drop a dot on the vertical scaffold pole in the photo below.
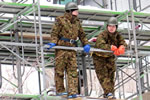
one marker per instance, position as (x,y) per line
(41,48)
(136,53)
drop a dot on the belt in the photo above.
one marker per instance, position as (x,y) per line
(69,40)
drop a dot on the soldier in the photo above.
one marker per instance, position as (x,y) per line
(66,30)
(104,62)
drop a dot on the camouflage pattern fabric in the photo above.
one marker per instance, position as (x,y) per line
(67,26)
(105,69)
(67,61)
(105,40)
(105,62)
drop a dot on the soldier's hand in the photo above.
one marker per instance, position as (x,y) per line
(51,45)
(87,48)
(113,48)
(121,49)
(116,52)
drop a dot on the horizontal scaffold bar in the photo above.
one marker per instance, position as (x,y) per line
(56,47)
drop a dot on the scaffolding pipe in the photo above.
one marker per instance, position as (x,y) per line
(122,85)
(19,44)
(85,82)
(18,64)
(116,5)
(15,21)
(130,76)
(19,77)
(22,51)
(42,51)
(67,48)
(117,77)
(90,75)
(10,82)
(35,30)
(140,5)
(111,4)
(86,10)
(0,76)
(105,3)
(147,76)
(17,55)
(78,48)
(136,55)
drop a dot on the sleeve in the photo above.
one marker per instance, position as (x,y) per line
(82,35)
(121,40)
(55,31)
(102,43)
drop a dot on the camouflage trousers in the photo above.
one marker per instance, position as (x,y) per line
(105,69)
(66,61)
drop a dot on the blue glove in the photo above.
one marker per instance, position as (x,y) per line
(87,48)
(51,45)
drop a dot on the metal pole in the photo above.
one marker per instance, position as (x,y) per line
(129,33)
(136,53)
(140,4)
(79,68)
(145,8)
(22,49)
(41,47)
(105,4)
(117,77)
(84,75)
(78,2)
(130,41)
(15,20)
(141,72)
(19,44)
(134,5)
(18,64)
(90,75)
(129,4)
(56,47)
(0,76)
(116,5)
(111,4)
(39,78)
(122,84)
(147,76)
(78,48)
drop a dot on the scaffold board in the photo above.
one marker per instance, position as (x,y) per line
(88,98)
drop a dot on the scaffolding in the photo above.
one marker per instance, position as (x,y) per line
(24,33)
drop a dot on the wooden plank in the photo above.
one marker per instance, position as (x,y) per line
(89,98)
(92,98)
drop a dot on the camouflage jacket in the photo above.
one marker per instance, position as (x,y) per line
(105,40)
(67,26)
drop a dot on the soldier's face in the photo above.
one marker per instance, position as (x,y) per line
(75,13)
(111,28)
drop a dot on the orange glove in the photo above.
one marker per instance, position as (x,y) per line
(113,48)
(116,52)
(121,49)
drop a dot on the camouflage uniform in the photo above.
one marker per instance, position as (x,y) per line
(67,26)
(105,62)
